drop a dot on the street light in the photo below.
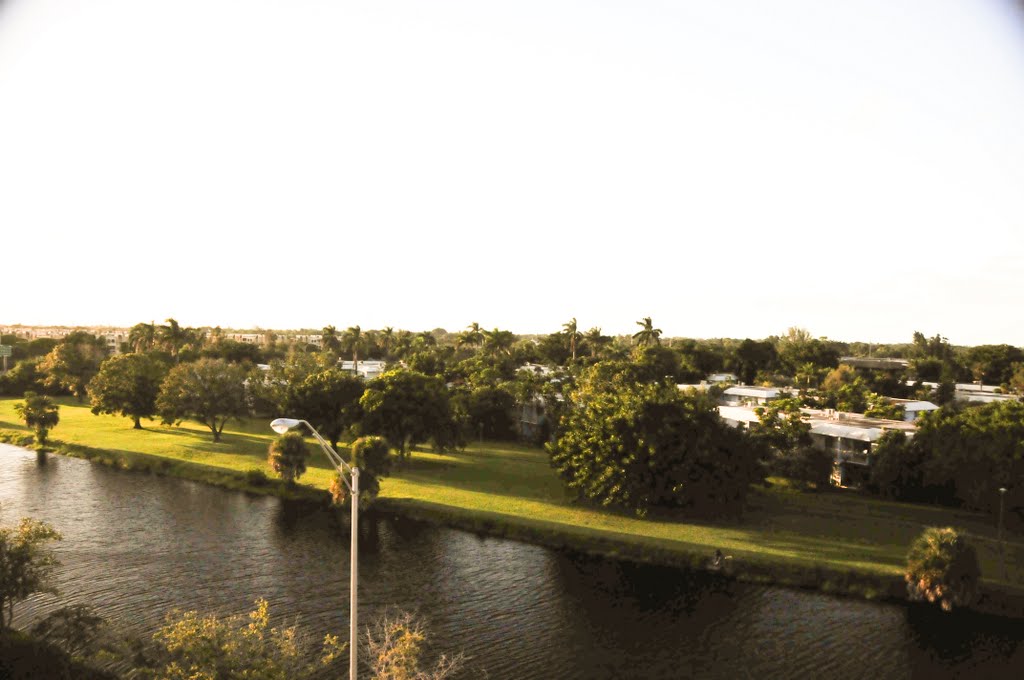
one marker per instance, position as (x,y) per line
(282,425)
(1002,548)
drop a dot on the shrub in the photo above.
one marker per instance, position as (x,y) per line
(288,455)
(942,566)
(256,477)
(373,458)
(40,413)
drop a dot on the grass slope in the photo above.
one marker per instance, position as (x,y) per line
(510,485)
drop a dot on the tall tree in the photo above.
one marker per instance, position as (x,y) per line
(127,385)
(173,337)
(353,342)
(74,362)
(646,445)
(573,334)
(648,334)
(472,336)
(329,340)
(210,391)
(406,407)
(142,337)
(329,399)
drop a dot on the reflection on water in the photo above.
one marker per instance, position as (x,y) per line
(137,546)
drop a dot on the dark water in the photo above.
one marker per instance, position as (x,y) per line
(136,546)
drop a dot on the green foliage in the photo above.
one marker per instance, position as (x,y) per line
(373,458)
(27,564)
(40,413)
(24,377)
(641,446)
(127,385)
(406,407)
(73,362)
(191,646)
(782,425)
(329,400)
(845,390)
(880,407)
(897,467)
(942,566)
(648,334)
(973,451)
(287,457)
(753,357)
(782,428)
(210,391)
(490,412)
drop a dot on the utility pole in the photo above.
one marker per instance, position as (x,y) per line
(1002,546)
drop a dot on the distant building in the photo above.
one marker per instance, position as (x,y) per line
(747,395)
(722,378)
(367,370)
(878,364)
(913,409)
(849,437)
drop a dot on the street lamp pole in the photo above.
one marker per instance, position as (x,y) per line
(1002,548)
(282,425)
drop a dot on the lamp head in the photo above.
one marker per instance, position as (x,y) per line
(1002,489)
(282,425)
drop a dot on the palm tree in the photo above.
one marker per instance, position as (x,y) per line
(174,337)
(596,341)
(473,336)
(387,339)
(572,331)
(142,337)
(499,342)
(648,334)
(329,339)
(352,341)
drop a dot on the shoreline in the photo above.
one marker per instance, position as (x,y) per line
(994,601)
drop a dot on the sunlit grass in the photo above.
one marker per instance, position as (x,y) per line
(515,485)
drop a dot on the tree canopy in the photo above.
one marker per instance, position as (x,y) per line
(643,445)
(127,385)
(406,407)
(210,391)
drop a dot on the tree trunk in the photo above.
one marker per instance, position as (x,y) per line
(138,424)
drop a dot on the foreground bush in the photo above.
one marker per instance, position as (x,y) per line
(942,567)
(191,646)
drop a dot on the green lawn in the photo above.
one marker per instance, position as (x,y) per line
(515,485)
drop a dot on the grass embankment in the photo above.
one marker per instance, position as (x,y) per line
(839,541)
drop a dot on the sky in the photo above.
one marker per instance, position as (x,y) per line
(729,169)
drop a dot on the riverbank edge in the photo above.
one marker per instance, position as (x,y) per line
(992,600)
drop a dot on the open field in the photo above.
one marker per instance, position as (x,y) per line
(505,485)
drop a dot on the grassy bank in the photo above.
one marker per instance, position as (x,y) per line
(841,541)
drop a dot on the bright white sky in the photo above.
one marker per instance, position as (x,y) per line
(728,168)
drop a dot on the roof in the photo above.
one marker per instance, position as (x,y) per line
(871,362)
(739,414)
(751,391)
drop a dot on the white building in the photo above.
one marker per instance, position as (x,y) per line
(367,370)
(747,395)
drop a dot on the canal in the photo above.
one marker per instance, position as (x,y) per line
(136,546)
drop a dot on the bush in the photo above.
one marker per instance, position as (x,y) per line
(288,455)
(373,458)
(256,477)
(942,566)
(805,465)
